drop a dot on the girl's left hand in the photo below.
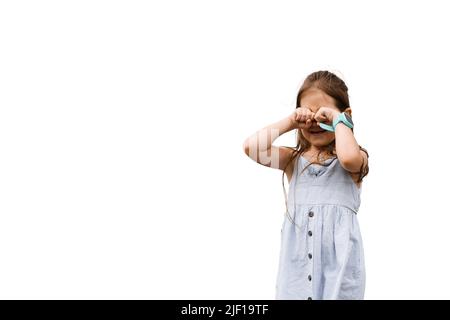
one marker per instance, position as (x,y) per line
(326,115)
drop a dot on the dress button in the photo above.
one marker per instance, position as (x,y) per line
(309,298)
(310,233)
(310,255)
(309,277)
(311,214)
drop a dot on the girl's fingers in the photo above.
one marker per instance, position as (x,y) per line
(308,123)
(303,116)
(318,117)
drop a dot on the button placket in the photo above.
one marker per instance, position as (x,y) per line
(310,247)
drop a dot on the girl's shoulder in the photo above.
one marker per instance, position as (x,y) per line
(292,164)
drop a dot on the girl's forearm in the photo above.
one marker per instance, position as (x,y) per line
(347,148)
(262,139)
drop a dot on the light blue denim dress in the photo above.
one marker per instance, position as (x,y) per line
(322,256)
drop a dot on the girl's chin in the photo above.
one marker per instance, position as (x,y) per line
(317,136)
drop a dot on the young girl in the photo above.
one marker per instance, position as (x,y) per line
(321,254)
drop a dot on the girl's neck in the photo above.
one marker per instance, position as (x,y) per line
(313,152)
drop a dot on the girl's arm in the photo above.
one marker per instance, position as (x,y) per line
(348,152)
(259,145)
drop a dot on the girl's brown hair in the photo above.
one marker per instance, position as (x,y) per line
(336,88)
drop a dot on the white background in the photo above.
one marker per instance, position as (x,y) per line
(122,174)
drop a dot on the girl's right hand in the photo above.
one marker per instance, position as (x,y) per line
(302,118)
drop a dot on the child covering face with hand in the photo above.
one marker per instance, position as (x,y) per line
(321,254)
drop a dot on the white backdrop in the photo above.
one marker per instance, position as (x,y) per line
(122,174)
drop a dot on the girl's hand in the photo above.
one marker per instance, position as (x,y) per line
(302,118)
(326,114)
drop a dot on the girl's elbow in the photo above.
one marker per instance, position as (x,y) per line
(245,147)
(352,163)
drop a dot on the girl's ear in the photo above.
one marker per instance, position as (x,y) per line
(349,111)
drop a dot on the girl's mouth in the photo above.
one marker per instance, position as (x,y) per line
(316,133)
